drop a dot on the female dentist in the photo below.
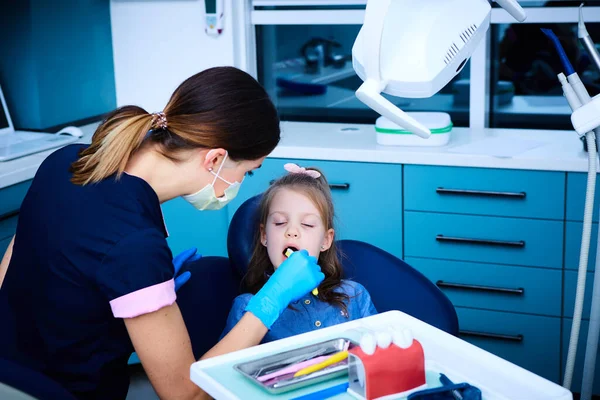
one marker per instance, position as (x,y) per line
(89,276)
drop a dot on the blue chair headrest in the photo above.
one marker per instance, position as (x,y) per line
(240,237)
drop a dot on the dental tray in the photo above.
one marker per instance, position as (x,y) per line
(255,369)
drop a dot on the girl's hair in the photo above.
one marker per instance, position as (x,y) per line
(260,266)
(220,107)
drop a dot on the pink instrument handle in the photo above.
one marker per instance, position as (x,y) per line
(292,368)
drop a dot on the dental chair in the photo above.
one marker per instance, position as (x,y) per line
(393,284)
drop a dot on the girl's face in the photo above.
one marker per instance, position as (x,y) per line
(294,221)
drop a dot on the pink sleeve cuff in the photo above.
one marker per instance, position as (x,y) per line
(144,301)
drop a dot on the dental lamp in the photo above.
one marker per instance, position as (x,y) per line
(413,48)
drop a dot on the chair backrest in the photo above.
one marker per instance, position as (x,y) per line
(240,237)
(393,284)
(205,300)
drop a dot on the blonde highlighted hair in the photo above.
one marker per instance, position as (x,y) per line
(221,107)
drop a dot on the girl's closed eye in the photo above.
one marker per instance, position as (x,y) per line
(307,225)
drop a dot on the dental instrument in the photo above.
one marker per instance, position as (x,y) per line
(334,359)
(413,48)
(288,252)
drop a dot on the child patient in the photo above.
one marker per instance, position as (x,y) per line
(297,212)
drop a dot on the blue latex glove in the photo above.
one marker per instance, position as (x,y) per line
(294,278)
(182,258)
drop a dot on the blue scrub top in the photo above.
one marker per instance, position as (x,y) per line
(84,258)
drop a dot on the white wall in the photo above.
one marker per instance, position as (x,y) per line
(159,43)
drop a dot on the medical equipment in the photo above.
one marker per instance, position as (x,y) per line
(586,120)
(438,123)
(288,252)
(413,48)
(214,17)
(254,370)
(334,359)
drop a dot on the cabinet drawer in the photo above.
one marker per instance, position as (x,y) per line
(570,290)
(573,232)
(510,193)
(8,227)
(576,185)
(532,342)
(363,212)
(495,287)
(581,344)
(536,243)
(11,197)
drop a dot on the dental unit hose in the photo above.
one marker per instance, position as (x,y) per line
(575,103)
(594,327)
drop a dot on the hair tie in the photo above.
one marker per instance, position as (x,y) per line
(159,120)
(296,169)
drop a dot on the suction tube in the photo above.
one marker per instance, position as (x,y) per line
(575,103)
(561,52)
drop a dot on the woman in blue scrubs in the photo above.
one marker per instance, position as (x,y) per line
(89,276)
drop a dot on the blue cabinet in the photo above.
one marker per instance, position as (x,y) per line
(367,198)
(581,344)
(576,186)
(530,341)
(188,227)
(493,241)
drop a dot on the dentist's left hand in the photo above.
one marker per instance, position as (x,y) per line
(182,258)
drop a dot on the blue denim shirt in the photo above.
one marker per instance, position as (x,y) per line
(309,313)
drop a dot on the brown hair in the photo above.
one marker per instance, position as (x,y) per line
(221,107)
(317,190)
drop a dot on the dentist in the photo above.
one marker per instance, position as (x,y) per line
(89,276)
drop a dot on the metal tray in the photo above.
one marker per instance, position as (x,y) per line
(262,366)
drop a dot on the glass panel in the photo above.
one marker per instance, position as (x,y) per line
(307,70)
(526,91)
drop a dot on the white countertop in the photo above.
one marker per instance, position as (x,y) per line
(557,150)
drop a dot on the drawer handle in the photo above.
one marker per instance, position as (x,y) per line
(9,215)
(442,284)
(332,186)
(466,192)
(508,243)
(498,336)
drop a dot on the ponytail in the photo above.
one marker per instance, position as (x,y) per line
(113,143)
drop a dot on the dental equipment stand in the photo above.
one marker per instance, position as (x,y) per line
(586,120)
(411,60)
(590,115)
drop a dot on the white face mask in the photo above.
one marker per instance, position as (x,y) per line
(206,198)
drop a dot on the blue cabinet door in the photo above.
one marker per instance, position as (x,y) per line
(482,191)
(367,198)
(532,342)
(576,186)
(581,344)
(495,287)
(573,233)
(188,227)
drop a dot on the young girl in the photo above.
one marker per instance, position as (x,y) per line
(297,212)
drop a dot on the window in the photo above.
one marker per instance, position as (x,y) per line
(307,70)
(303,57)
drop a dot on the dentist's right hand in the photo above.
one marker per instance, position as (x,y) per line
(294,278)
